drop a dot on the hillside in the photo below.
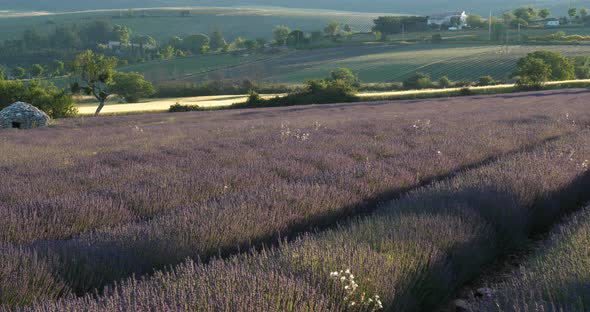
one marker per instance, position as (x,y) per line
(164,23)
(414,7)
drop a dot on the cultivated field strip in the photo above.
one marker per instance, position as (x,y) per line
(385,63)
(555,278)
(413,253)
(144,192)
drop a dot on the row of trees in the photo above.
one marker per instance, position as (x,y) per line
(35,71)
(283,35)
(388,25)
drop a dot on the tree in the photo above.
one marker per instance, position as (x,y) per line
(544,13)
(583,13)
(582,64)
(418,81)
(65,38)
(18,72)
(280,35)
(36,71)
(444,82)
(143,41)
(346,75)
(572,13)
(2,73)
(167,52)
(131,86)
(532,72)
(389,25)
(195,43)
(499,32)
(515,23)
(561,68)
(476,21)
(96,32)
(507,17)
(296,38)
(332,29)
(238,44)
(217,41)
(94,74)
(251,45)
(57,67)
(524,13)
(122,34)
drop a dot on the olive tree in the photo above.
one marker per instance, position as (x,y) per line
(93,74)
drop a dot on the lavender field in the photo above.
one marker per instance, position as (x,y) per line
(554,278)
(280,209)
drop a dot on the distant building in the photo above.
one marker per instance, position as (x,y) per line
(447,18)
(552,23)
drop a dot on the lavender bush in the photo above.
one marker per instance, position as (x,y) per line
(555,278)
(142,193)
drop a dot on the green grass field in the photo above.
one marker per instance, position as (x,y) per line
(372,62)
(164,23)
(184,68)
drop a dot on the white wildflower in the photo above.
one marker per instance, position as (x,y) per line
(352,296)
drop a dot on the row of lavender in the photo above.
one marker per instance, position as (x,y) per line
(555,278)
(91,203)
(411,255)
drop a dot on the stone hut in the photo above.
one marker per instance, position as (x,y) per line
(21,115)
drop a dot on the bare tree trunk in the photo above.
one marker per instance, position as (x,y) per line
(100,106)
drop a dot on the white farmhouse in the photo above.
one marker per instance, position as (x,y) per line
(446,18)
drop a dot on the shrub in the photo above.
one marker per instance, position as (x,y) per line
(486,81)
(319,91)
(56,103)
(557,66)
(532,73)
(179,108)
(445,82)
(132,86)
(345,75)
(582,67)
(418,81)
